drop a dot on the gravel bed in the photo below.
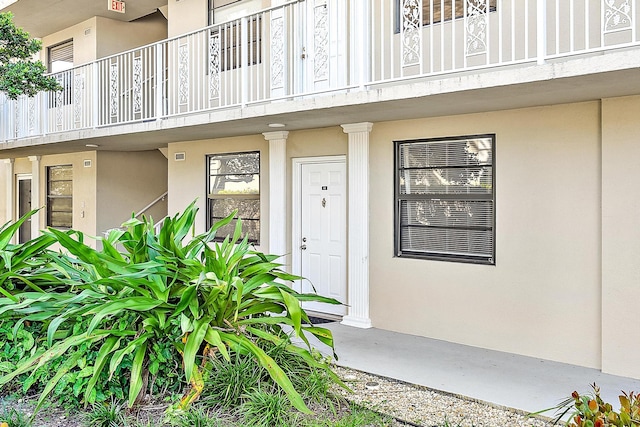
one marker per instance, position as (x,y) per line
(426,408)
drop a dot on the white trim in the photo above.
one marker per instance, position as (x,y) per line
(296,205)
(35,195)
(10,188)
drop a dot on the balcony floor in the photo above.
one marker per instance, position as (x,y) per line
(502,379)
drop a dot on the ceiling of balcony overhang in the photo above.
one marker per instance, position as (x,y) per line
(43,17)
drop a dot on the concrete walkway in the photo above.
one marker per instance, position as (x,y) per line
(503,379)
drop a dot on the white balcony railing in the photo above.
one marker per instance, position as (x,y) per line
(308,47)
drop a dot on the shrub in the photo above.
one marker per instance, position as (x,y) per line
(591,411)
(263,408)
(106,415)
(13,418)
(195,417)
(154,305)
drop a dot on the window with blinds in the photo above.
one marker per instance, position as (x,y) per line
(444,193)
(60,58)
(234,185)
(60,196)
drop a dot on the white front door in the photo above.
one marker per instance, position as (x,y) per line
(322,236)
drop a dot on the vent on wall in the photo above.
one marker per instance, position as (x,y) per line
(87,163)
(179,156)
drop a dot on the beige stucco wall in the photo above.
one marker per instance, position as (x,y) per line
(116,36)
(84,189)
(186,16)
(99,37)
(84,41)
(187,178)
(620,236)
(542,298)
(126,183)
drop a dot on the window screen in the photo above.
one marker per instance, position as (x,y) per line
(234,184)
(444,193)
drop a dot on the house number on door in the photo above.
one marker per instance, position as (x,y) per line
(324,202)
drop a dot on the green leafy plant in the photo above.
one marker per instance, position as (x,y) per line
(156,303)
(13,418)
(195,417)
(266,408)
(227,381)
(106,415)
(18,73)
(589,410)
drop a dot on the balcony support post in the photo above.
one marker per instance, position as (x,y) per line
(159,81)
(360,36)
(244,60)
(95,94)
(541,26)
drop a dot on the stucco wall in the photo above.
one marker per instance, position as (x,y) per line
(84,41)
(187,178)
(126,183)
(620,236)
(117,36)
(186,16)
(542,298)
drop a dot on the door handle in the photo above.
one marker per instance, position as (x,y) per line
(303,247)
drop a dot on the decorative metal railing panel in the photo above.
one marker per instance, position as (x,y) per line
(306,48)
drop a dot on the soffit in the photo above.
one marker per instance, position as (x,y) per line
(44,17)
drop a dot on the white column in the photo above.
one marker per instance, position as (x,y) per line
(35,195)
(277,191)
(358,256)
(9,190)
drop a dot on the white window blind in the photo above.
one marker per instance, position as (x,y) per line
(445,199)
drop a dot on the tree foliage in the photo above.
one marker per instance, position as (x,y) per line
(19,73)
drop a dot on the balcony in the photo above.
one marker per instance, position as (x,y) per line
(307,49)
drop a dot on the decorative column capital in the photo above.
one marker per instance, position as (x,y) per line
(357,127)
(8,161)
(35,158)
(270,136)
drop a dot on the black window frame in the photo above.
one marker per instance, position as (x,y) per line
(50,196)
(399,198)
(210,197)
